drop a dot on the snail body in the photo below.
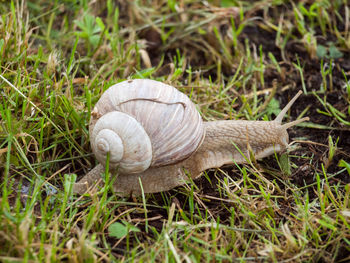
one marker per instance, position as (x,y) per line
(153,132)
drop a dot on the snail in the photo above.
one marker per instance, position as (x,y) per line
(155,137)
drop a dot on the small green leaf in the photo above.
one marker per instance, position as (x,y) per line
(120,230)
(100,23)
(117,230)
(342,163)
(133,228)
(94,40)
(273,107)
(321,51)
(334,52)
(90,28)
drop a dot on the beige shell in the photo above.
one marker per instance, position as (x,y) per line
(144,123)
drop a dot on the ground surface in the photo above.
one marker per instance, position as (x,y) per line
(229,56)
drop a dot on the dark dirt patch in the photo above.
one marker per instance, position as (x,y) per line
(313,81)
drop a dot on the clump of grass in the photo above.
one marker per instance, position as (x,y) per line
(236,60)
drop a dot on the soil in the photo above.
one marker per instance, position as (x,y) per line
(314,152)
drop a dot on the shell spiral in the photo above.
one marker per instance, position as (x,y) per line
(143,123)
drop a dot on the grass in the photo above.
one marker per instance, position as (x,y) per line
(231,58)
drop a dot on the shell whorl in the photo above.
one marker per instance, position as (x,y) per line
(125,139)
(166,119)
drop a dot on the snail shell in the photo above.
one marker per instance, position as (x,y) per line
(143,123)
